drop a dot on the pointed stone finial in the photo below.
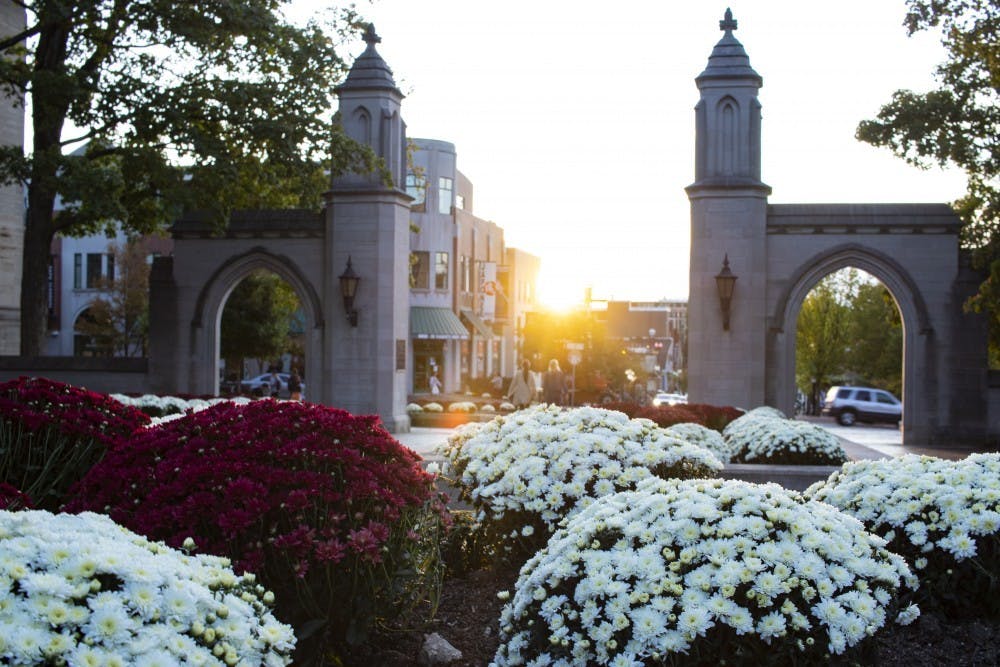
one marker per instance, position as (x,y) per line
(728,23)
(371,37)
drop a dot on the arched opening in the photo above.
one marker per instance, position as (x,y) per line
(849,333)
(261,336)
(92,333)
(917,333)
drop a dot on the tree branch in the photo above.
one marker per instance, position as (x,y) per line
(13,40)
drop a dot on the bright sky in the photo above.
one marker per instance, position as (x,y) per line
(574,119)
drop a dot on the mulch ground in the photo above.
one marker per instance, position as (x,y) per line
(469,610)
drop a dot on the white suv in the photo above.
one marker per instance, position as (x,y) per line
(853,404)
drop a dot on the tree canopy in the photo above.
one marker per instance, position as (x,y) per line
(140,108)
(849,330)
(256,319)
(958,123)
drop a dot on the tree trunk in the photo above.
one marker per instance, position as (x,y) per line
(38,234)
(48,114)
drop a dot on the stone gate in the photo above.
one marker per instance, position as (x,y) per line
(778,253)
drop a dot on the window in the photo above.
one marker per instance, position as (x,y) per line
(416,187)
(863,396)
(94,261)
(420,269)
(77,270)
(882,397)
(111,268)
(445,187)
(441,270)
(460,202)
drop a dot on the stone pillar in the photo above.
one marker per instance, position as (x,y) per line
(12,21)
(367,223)
(728,219)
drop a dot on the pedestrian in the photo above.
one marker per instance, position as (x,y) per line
(554,384)
(294,386)
(435,384)
(275,383)
(522,387)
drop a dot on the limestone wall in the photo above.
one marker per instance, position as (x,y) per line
(11,207)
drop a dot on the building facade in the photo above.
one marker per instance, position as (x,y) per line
(467,288)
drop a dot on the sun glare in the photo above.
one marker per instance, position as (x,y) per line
(557,293)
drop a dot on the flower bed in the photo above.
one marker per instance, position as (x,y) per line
(81,590)
(943,516)
(761,436)
(52,433)
(709,571)
(333,513)
(702,436)
(526,471)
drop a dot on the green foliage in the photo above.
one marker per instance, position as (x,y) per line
(849,328)
(202,104)
(876,334)
(958,123)
(256,319)
(821,338)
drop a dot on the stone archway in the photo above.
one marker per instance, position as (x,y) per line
(784,322)
(212,299)
(780,251)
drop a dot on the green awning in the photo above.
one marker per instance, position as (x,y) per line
(480,326)
(428,322)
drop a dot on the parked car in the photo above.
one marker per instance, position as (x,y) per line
(262,385)
(853,404)
(664,398)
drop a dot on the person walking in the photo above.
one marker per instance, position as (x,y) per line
(435,384)
(554,384)
(522,387)
(294,387)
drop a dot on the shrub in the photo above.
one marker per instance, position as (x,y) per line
(943,516)
(81,590)
(507,406)
(526,471)
(52,433)
(465,407)
(414,407)
(433,407)
(334,514)
(762,412)
(702,436)
(666,415)
(765,439)
(706,572)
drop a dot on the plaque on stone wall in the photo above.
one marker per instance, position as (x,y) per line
(400,354)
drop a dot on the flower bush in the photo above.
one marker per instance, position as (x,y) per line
(81,590)
(702,436)
(163,406)
(13,499)
(464,407)
(335,515)
(526,471)
(760,437)
(52,433)
(414,407)
(507,406)
(433,407)
(761,412)
(943,516)
(708,571)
